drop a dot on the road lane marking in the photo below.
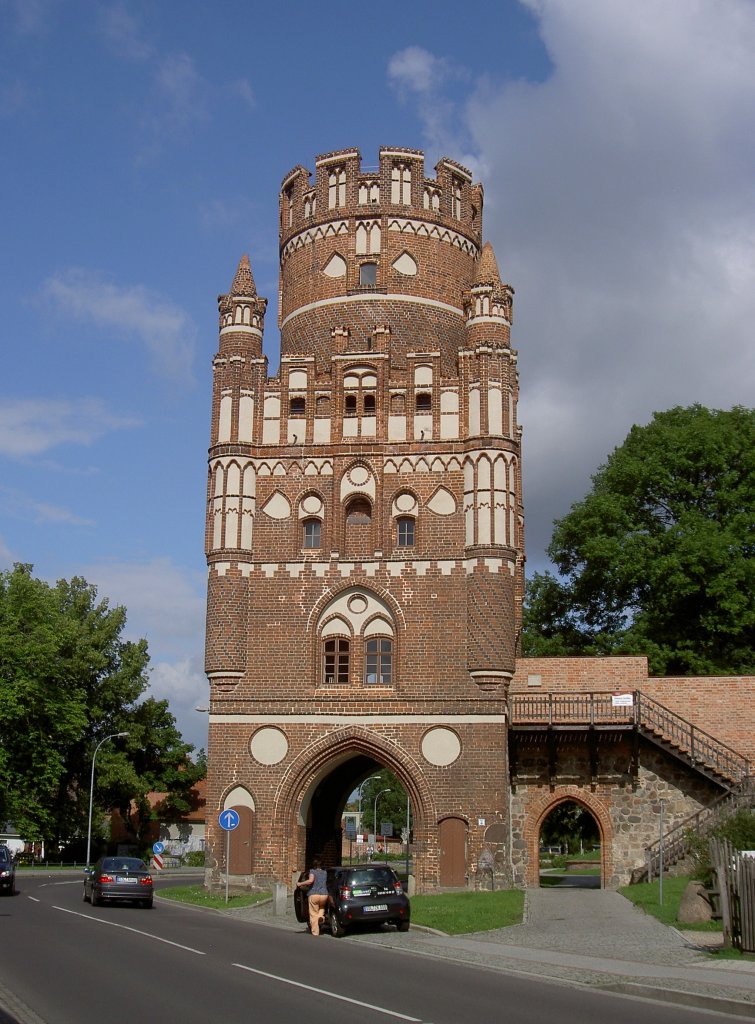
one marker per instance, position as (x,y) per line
(331,995)
(125,927)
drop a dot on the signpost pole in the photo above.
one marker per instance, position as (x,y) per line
(228,820)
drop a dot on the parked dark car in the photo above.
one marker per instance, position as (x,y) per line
(118,878)
(7,872)
(360,894)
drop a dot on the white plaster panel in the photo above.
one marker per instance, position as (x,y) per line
(423,375)
(335,267)
(224,423)
(423,423)
(239,797)
(246,417)
(322,431)
(297,429)
(271,431)
(442,503)
(449,426)
(277,506)
(441,747)
(474,411)
(297,380)
(405,264)
(397,428)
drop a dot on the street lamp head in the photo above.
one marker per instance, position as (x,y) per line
(121,734)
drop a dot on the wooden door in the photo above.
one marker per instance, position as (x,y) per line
(240,856)
(453,853)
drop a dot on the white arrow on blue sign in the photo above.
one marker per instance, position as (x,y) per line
(158,847)
(229,820)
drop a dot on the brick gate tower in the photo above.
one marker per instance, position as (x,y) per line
(364,525)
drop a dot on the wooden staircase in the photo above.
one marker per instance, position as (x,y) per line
(699,750)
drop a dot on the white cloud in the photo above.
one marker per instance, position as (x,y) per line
(30,426)
(620,198)
(162,327)
(164,603)
(184,685)
(243,89)
(123,33)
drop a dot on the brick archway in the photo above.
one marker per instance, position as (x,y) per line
(543,805)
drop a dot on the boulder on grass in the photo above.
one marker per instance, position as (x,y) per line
(694,907)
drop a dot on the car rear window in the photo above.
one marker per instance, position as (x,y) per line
(123,864)
(373,876)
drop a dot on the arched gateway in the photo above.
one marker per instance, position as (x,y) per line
(364,523)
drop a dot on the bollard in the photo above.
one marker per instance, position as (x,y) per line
(280,899)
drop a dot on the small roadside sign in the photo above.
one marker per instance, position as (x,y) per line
(158,847)
(228,819)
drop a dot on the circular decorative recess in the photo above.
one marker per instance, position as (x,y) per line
(359,475)
(268,745)
(357,604)
(406,502)
(311,504)
(441,747)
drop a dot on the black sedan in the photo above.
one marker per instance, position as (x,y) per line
(118,878)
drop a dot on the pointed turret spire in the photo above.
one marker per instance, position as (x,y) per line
(243,282)
(487,267)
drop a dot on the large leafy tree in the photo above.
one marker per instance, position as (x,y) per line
(658,558)
(68,679)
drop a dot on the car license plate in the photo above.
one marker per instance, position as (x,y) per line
(377,907)
(122,880)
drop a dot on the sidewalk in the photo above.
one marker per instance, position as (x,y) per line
(582,936)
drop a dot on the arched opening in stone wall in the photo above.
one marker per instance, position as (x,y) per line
(354,802)
(570,847)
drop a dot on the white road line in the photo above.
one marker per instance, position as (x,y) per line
(331,995)
(125,927)
(34,899)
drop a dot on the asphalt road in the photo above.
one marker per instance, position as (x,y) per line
(64,962)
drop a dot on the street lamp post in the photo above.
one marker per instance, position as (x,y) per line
(374,812)
(112,736)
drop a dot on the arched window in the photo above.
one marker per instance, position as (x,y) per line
(336,662)
(297,406)
(350,405)
(405,531)
(423,401)
(369,404)
(378,661)
(311,533)
(359,512)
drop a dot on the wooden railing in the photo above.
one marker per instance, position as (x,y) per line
(637,710)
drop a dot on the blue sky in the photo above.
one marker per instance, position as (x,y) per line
(143,146)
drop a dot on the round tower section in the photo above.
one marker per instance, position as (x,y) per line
(364,247)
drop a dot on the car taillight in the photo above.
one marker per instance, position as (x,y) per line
(106,878)
(398,887)
(146,881)
(345,892)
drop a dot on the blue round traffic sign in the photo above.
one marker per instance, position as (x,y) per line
(158,847)
(229,819)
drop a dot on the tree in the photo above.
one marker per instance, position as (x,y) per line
(68,680)
(391,806)
(658,558)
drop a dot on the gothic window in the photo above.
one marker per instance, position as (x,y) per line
(369,405)
(401,185)
(336,188)
(336,662)
(359,512)
(297,406)
(288,198)
(350,405)
(423,401)
(378,661)
(456,199)
(368,275)
(405,531)
(311,532)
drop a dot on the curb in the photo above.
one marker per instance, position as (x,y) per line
(717,1004)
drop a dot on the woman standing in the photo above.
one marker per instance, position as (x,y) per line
(316,884)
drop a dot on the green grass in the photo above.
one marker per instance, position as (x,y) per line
(198,896)
(457,913)
(647,896)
